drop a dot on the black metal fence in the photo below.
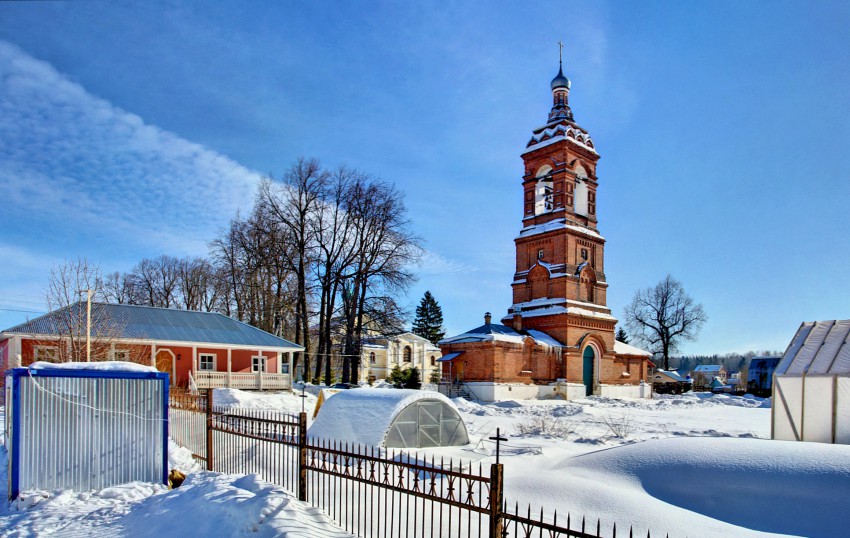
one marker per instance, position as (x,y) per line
(367,491)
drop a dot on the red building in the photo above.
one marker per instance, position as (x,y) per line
(558,336)
(213,349)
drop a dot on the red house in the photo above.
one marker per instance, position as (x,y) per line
(209,348)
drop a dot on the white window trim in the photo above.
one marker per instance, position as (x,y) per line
(255,364)
(117,352)
(201,357)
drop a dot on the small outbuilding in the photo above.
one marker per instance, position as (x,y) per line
(390,418)
(811,386)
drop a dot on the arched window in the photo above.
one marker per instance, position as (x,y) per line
(372,357)
(543,201)
(407,354)
(433,360)
(581,191)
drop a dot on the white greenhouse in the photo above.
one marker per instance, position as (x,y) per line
(811,388)
(390,418)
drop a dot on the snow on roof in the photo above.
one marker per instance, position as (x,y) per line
(708,368)
(109,366)
(672,374)
(818,347)
(552,310)
(543,339)
(363,416)
(557,224)
(625,349)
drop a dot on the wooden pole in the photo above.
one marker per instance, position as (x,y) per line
(496,500)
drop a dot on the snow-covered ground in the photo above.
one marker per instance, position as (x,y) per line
(695,465)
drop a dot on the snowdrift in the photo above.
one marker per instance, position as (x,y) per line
(768,486)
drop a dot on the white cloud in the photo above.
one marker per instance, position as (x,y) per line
(432,263)
(72,163)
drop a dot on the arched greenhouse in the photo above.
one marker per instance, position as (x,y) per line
(390,418)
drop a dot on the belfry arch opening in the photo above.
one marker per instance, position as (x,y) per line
(581,191)
(543,202)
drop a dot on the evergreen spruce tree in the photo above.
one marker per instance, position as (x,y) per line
(622,336)
(429,319)
(414,379)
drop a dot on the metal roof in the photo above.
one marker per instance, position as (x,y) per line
(819,347)
(150,323)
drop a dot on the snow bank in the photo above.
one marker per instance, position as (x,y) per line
(207,504)
(363,416)
(103,366)
(284,401)
(769,486)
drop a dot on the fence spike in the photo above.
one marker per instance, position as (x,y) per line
(568,521)
(582,523)
(598,526)
(555,520)
(615,529)
(631,531)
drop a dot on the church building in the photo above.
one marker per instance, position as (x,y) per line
(558,336)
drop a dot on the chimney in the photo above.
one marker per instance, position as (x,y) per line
(487,318)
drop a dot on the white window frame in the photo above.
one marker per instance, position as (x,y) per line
(259,363)
(372,357)
(38,350)
(211,365)
(284,367)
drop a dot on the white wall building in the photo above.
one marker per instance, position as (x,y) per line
(379,354)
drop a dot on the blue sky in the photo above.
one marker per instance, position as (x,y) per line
(129,130)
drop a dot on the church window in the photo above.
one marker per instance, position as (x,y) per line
(584,254)
(433,360)
(408,354)
(540,254)
(372,357)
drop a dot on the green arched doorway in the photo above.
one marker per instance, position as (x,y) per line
(587,370)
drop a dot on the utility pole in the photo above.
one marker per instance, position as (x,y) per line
(88,325)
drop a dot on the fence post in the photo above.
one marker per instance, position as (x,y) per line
(209,429)
(496,500)
(302,456)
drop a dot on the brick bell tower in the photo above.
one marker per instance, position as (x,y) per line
(559,286)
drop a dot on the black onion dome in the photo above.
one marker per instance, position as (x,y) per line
(560,81)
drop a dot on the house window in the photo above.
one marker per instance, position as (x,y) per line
(258,364)
(206,361)
(407,354)
(45,353)
(121,355)
(372,358)
(433,360)
(284,368)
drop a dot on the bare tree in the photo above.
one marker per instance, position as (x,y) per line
(292,202)
(663,316)
(385,251)
(67,295)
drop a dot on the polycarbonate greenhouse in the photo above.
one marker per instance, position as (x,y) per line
(390,418)
(811,389)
